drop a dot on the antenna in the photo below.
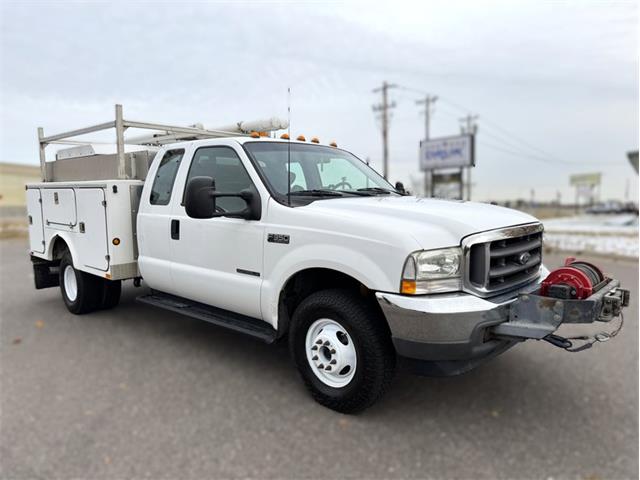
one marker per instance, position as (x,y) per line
(289,145)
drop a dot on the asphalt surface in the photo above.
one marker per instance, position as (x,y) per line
(137,392)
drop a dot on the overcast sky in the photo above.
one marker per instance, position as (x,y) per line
(555,84)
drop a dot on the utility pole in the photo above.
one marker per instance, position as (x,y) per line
(471,128)
(427,102)
(384,108)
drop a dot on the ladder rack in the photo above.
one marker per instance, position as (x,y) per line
(163,134)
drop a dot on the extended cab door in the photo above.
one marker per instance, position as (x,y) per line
(218,261)
(154,221)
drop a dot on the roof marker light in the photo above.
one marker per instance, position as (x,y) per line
(301,138)
(315,140)
(255,135)
(284,136)
(333,144)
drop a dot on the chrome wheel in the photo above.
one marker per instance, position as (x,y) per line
(70,283)
(331,353)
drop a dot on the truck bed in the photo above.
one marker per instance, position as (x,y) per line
(96,219)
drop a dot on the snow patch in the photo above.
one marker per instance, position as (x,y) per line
(603,234)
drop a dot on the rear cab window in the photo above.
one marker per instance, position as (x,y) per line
(165,177)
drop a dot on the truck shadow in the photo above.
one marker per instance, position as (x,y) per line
(500,389)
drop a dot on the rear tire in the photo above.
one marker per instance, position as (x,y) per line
(111,290)
(338,329)
(81,291)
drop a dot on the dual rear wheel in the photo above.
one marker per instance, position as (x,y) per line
(83,292)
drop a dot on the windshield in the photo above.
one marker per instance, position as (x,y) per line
(315,170)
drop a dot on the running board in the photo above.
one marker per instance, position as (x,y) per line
(223,318)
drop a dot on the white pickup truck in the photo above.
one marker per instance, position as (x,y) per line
(279,238)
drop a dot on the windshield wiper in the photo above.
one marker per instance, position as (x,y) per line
(319,192)
(316,193)
(383,191)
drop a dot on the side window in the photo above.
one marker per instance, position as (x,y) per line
(225,167)
(298,179)
(166,174)
(341,174)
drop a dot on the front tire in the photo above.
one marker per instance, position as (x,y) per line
(342,349)
(81,291)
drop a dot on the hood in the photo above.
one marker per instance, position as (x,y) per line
(434,223)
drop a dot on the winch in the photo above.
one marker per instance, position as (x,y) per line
(576,280)
(578,292)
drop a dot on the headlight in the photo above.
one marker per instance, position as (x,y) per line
(432,271)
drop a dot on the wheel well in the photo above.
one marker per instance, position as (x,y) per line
(60,247)
(306,282)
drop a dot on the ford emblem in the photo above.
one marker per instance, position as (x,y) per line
(524,257)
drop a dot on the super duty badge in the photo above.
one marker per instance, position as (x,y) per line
(278,238)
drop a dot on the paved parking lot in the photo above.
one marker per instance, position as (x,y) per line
(138,392)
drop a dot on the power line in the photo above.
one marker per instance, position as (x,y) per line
(543,159)
(508,146)
(515,152)
(513,140)
(507,142)
(515,149)
(510,135)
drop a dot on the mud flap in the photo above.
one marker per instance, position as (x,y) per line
(532,316)
(45,273)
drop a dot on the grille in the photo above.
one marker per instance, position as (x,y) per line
(503,259)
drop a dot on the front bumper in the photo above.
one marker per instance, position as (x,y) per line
(457,331)
(446,327)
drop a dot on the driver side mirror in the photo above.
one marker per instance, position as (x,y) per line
(200,201)
(400,188)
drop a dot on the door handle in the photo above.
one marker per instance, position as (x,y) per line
(175,229)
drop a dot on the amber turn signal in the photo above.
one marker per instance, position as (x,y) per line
(116,241)
(408,286)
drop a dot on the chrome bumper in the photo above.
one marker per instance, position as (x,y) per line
(448,326)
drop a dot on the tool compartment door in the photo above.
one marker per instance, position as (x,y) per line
(93,246)
(36,226)
(59,208)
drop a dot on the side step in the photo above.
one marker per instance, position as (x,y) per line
(233,321)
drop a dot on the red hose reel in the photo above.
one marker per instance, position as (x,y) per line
(576,280)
